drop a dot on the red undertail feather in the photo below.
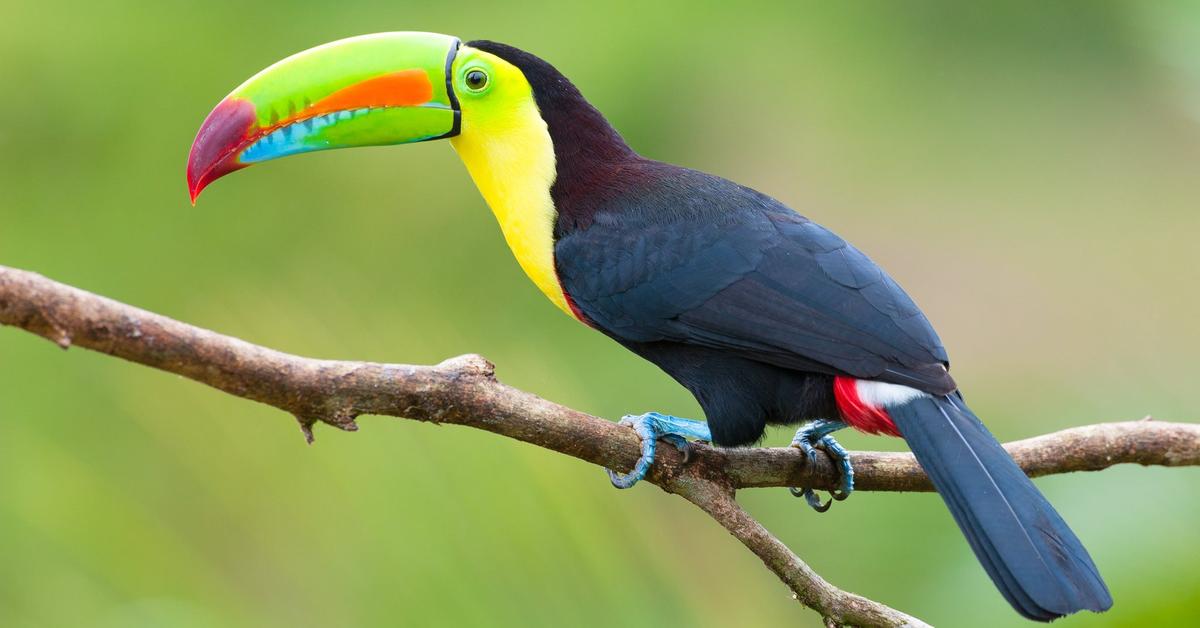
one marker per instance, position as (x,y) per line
(858,413)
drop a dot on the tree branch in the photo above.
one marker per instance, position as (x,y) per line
(464,391)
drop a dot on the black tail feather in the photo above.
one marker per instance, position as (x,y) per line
(1035,560)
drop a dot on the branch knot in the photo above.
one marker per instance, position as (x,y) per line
(469,365)
(464,391)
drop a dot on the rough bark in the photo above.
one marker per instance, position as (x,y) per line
(464,391)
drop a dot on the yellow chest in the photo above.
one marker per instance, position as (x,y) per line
(513,167)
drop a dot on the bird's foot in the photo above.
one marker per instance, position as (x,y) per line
(817,435)
(650,427)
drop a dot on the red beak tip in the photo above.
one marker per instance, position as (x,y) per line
(212,153)
(195,187)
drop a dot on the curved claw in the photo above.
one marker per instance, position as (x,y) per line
(685,447)
(650,427)
(678,441)
(817,434)
(621,480)
(842,457)
(646,431)
(810,496)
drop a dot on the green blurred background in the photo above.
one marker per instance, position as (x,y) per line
(1028,171)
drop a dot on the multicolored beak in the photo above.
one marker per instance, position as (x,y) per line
(387,88)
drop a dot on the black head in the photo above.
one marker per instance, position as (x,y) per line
(578,130)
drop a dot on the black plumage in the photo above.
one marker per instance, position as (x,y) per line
(685,268)
(756,309)
(1026,548)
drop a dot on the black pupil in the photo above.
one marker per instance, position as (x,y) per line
(476,79)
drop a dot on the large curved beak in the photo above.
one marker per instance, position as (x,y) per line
(387,88)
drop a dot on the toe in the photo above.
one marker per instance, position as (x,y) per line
(621,480)
(678,441)
(811,497)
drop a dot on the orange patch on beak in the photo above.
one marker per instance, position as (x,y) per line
(398,89)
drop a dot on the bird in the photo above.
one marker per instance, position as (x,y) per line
(765,316)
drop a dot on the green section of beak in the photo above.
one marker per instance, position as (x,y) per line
(311,76)
(387,88)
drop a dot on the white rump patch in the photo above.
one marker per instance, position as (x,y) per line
(882,394)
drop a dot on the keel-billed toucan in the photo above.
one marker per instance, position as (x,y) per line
(765,316)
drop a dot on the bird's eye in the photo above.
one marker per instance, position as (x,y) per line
(476,80)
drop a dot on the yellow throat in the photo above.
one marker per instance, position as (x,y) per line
(510,156)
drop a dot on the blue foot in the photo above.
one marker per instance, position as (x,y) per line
(817,434)
(651,427)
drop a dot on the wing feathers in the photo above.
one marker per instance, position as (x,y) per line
(699,260)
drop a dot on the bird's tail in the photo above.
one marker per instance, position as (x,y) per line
(1035,560)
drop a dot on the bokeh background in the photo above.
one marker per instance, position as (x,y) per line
(1027,170)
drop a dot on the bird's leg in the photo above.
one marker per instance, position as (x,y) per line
(817,434)
(650,427)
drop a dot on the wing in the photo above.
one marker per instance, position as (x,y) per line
(700,260)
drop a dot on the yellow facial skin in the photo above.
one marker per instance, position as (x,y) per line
(507,149)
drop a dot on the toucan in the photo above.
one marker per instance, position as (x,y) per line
(766,317)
